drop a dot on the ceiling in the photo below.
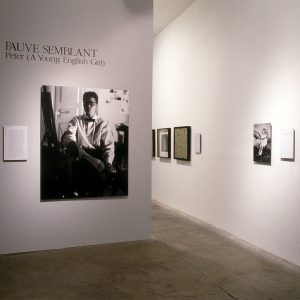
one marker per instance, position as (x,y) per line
(165,11)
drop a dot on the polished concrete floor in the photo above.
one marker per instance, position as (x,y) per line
(183,260)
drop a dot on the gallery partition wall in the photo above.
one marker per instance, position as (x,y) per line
(230,70)
(75,102)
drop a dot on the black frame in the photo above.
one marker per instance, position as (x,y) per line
(167,131)
(184,143)
(153,142)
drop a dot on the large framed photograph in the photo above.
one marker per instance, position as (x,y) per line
(164,142)
(84,142)
(262,143)
(182,143)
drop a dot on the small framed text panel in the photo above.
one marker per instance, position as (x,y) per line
(197,143)
(15,143)
(287,143)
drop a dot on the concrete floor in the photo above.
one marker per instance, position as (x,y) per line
(184,260)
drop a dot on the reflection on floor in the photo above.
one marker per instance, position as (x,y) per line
(183,260)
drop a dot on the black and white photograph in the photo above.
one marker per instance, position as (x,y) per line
(84,142)
(164,142)
(262,146)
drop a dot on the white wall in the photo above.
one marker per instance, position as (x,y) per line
(221,67)
(122,31)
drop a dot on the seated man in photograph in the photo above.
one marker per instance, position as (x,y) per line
(88,139)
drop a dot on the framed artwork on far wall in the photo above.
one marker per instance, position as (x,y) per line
(153,142)
(164,142)
(262,146)
(182,143)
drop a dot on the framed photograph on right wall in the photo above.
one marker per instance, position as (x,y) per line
(182,143)
(262,146)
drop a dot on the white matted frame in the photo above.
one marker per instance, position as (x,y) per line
(164,142)
(15,143)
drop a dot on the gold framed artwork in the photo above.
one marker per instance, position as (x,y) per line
(182,143)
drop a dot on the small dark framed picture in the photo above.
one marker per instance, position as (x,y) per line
(164,142)
(153,142)
(182,143)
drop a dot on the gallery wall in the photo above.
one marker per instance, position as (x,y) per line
(221,67)
(121,33)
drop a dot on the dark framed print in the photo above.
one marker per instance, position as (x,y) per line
(262,137)
(182,143)
(153,142)
(164,142)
